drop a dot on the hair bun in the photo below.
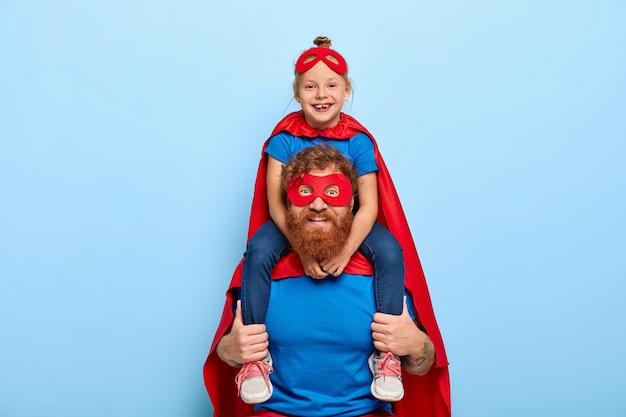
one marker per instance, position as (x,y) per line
(322,42)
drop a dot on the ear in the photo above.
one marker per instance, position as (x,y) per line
(346,94)
(296,96)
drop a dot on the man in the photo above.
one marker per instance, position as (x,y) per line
(321,332)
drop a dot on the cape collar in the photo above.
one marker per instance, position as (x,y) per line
(295,124)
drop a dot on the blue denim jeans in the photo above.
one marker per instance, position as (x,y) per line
(264,250)
(268,245)
(384,252)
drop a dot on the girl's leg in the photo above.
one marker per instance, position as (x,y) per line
(382,249)
(263,251)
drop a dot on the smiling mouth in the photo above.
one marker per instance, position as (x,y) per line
(318,218)
(322,106)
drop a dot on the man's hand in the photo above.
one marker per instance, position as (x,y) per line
(243,343)
(401,336)
(312,267)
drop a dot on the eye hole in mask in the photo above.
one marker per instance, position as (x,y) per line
(334,189)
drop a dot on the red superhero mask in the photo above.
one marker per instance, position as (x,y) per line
(334,189)
(321,54)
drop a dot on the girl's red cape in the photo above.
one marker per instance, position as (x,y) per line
(427,395)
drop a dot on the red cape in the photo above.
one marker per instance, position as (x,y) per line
(427,395)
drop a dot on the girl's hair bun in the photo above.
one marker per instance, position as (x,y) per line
(322,42)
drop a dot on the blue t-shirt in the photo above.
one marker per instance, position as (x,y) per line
(320,337)
(359,149)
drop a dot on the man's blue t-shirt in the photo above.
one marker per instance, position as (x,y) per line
(320,341)
(359,149)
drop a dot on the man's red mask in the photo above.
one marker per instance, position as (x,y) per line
(334,189)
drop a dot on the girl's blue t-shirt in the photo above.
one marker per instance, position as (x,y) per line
(359,149)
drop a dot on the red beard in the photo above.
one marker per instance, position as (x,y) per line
(314,242)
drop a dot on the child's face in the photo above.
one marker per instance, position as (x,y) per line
(321,92)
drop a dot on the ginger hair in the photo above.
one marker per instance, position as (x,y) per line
(319,156)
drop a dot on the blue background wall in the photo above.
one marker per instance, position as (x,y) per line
(129,137)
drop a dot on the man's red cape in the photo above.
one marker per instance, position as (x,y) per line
(427,395)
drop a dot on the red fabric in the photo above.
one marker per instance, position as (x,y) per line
(290,266)
(427,395)
(319,186)
(320,54)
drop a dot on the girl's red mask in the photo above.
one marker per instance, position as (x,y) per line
(334,189)
(321,54)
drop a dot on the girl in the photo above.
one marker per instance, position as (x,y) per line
(321,87)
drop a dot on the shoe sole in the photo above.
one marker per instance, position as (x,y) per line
(260,399)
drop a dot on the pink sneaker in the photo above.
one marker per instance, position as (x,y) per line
(253,382)
(387,371)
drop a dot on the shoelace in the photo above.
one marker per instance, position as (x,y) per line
(388,365)
(253,369)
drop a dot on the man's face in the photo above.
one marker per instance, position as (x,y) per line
(319,229)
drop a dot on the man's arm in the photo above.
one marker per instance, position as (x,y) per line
(420,362)
(402,336)
(243,343)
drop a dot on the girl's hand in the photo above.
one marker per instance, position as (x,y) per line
(335,265)
(312,267)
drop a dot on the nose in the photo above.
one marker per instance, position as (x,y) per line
(321,92)
(318,204)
